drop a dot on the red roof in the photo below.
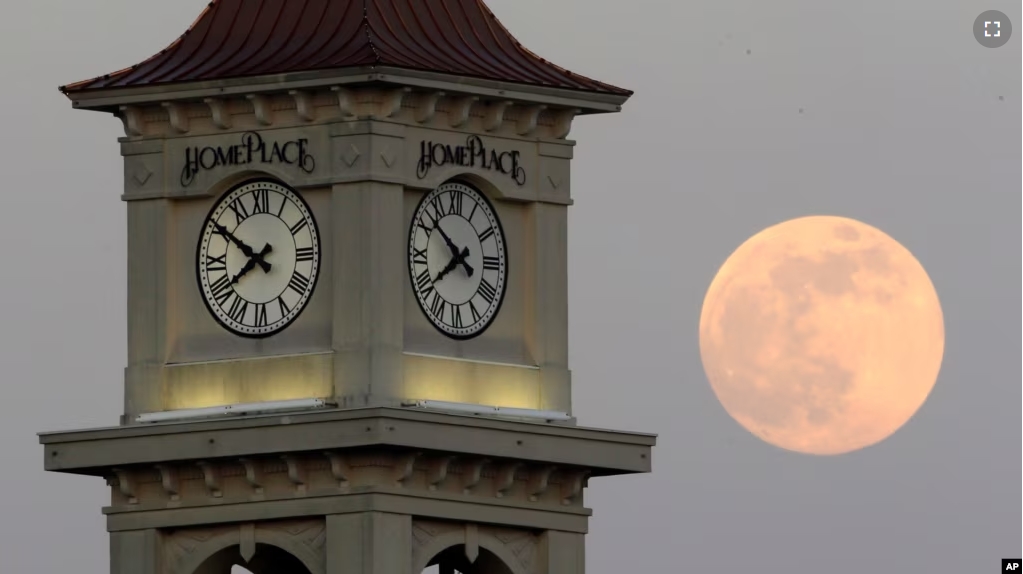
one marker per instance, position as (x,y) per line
(244,38)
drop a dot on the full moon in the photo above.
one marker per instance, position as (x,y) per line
(822,335)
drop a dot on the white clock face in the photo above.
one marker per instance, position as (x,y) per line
(258,258)
(457,260)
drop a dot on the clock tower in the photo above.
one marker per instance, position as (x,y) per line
(347,298)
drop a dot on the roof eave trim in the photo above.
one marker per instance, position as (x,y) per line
(110,99)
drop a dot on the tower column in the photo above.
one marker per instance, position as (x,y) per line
(135,552)
(369,543)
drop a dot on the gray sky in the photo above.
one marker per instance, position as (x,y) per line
(902,128)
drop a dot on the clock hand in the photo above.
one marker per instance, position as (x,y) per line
(458,258)
(251,264)
(244,248)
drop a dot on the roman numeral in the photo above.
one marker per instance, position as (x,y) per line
(299,226)
(298,283)
(216,263)
(437,306)
(238,207)
(456,316)
(487,291)
(283,307)
(473,212)
(438,206)
(424,284)
(419,256)
(261,320)
(475,314)
(237,310)
(455,200)
(486,233)
(490,262)
(260,201)
(221,289)
(284,203)
(304,254)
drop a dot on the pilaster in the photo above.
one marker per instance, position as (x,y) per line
(369,543)
(135,552)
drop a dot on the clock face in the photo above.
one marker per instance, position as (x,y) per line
(258,258)
(457,260)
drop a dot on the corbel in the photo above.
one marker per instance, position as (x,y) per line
(572,485)
(261,107)
(253,474)
(296,472)
(218,109)
(178,116)
(403,467)
(528,117)
(131,117)
(126,484)
(345,101)
(563,123)
(339,469)
(170,481)
(438,471)
(211,476)
(303,105)
(539,480)
(472,474)
(428,106)
(506,478)
(390,101)
(458,112)
(495,115)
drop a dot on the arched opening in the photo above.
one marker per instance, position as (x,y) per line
(268,559)
(453,561)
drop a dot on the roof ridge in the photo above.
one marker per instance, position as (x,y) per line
(368,29)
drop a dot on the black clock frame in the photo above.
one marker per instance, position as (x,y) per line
(504,245)
(198,254)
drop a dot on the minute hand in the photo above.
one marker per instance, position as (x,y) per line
(459,257)
(244,248)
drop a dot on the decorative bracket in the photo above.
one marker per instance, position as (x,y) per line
(253,474)
(126,484)
(528,117)
(211,477)
(539,481)
(261,107)
(178,116)
(303,105)
(439,471)
(563,123)
(495,115)
(345,101)
(169,480)
(506,478)
(428,106)
(131,117)
(458,110)
(390,103)
(339,469)
(472,473)
(296,472)
(572,485)
(403,467)
(218,109)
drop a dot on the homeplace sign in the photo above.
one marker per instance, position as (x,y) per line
(472,154)
(252,149)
